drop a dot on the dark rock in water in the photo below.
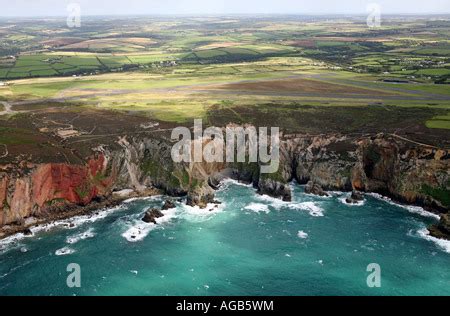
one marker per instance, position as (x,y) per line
(27,232)
(355,198)
(314,188)
(71,225)
(216,202)
(275,189)
(215,180)
(151,215)
(441,230)
(168,204)
(200,197)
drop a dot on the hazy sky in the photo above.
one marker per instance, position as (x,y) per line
(105,7)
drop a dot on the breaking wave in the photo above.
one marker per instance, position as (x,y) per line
(310,207)
(81,236)
(410,208)
(441,243)
(257,208)
(64,251)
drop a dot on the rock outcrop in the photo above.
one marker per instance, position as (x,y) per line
(441,230)
(314,188)
(168,204)
(34,192)
(402,170)
(151,215)
(355,198)
(274,188)
(200,196)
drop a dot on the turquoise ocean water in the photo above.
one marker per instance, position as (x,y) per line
(248,245)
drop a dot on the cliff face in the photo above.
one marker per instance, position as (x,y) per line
(30,192)
(385,164)
(404,171)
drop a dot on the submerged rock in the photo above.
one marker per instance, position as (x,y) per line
(441,230)
(151,215)
(314,188)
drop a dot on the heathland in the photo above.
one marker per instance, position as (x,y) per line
(304,74)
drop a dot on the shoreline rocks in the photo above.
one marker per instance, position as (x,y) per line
(406,172)
(355,198)
(442,229)
(64,211)
(168,204)
(275,189)
(151,215)
(200,196)
(314,188)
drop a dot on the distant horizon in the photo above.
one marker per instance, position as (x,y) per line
(58,8)
(362,15)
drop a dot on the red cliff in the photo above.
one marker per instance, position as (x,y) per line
(52,183)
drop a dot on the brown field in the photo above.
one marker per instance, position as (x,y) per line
(219,45)
(300,85)
(110,42)
(302,43)
(62,41)
(311,42)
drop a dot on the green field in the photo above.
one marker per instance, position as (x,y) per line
(305,76)
(145,76)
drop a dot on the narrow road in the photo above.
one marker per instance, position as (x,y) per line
(413,142)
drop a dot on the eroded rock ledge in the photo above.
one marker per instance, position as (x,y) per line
(405,171)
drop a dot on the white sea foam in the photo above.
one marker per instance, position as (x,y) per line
(226,182)
(419,210)
(441,243)
(301,234)
(81,236)
(274,202)
(257,208)
(147,198)
(412,209)
(138,231)
(310,207)
(197,214)
(13,241)
(168,216)
(64,251)
(83,219)
(343,200)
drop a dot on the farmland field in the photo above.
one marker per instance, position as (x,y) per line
(300,71)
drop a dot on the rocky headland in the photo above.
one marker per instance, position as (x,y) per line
(407,172)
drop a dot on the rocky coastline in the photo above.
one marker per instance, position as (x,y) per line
(406,172)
